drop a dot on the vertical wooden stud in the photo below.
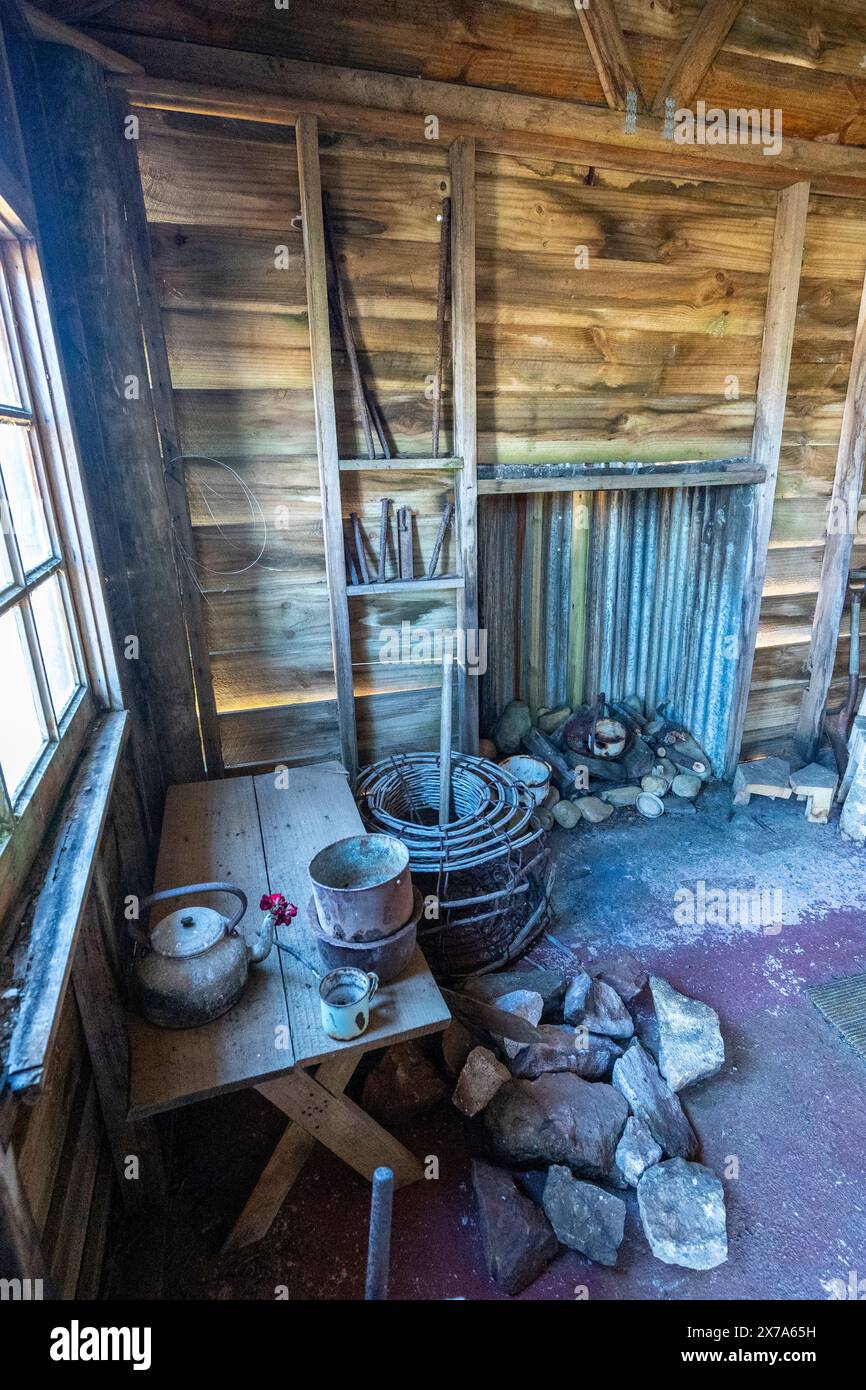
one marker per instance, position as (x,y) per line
(465,409)
(784,286)
(326,429)
(836,561)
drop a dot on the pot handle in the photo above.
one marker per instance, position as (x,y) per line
(185,892)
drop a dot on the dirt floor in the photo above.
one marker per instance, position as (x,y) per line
(788,1111)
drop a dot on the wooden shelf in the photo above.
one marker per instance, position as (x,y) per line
(595,477)
(400,465)
(406,586)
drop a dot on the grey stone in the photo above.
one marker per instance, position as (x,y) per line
(690,1040)
(401,1085)
(553,719)
(513,723)
(651,1099)
(635,1152)
(583,1216)
(620,796)
(480,1079)
(575,995)
(550,984)
(598,1008)
(622,971)
(457,1043)
(593,809)
(525,1003)
(558,1118)
(567,1049)
(516,1236)
(682,1207)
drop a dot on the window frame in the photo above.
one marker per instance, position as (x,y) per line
(45,410)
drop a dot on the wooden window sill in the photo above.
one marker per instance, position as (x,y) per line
(70,855)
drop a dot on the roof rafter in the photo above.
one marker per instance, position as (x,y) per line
(698,53)
(607,45)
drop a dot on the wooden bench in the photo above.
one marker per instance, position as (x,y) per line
(261,833)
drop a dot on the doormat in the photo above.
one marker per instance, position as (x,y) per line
(843,1003)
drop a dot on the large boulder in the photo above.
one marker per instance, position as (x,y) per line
(690,1045)
(516,1236)
(583,1216)
(635,1152)
(682,1207)
(402,1084)
(558,1118)
(550,984)
(651,1099)
(598,1007)
(566,1049)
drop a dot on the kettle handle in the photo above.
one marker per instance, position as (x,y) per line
(186,892)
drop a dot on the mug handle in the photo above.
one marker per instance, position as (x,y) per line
(374,982)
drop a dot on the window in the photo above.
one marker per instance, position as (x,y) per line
(43,673)
(53,672)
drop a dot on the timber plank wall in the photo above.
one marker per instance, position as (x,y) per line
(630,357)
(649,352)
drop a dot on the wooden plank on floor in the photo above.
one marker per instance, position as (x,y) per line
(211,833)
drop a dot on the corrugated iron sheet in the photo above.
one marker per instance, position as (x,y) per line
(665,586)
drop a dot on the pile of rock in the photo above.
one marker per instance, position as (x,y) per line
(644,763)
(588,1111)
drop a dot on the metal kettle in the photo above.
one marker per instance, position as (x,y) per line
(195,962)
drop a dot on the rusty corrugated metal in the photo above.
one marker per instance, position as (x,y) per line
(665,583)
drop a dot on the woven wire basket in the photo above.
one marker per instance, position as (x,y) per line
(487,869)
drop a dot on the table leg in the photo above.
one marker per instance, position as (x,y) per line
(342,1126)
(286,1161)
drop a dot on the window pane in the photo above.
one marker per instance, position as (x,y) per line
(22,726)
(55,643)
(6,575)
(25,499)
(9,393)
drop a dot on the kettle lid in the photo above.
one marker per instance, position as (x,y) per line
(188,932)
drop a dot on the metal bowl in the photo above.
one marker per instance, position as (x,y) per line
(388,957)
(362,887)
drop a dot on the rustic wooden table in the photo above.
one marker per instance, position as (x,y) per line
(261,833)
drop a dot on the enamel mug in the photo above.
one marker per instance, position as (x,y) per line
(344,998)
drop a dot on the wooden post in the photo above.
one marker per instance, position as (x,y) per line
(465,443)
(91,278)
(841,529)
(778,341)
(609,50)
(697,54)
(326,429)
(163,408)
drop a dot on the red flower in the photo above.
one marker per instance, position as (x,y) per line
(282,910)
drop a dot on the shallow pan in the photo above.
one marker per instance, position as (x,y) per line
(388,957)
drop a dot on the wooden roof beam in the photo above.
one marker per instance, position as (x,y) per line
(609,50)
(697,54)
(211,81)
(46,27)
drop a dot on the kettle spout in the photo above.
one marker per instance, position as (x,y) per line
(263,939)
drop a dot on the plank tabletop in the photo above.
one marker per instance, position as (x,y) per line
(261,834)
(210,831)
(302,811)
